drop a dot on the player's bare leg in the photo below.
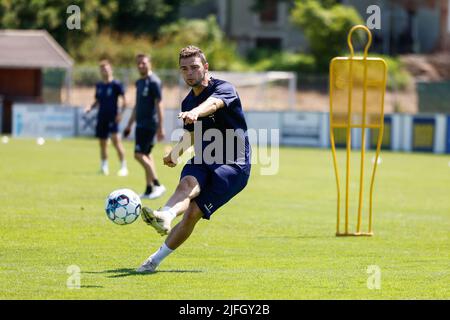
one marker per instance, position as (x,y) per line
(144,160)
(104,156)
(117,142)
(152,167)
(187,189)
(151,177)
(179,202)
(177,236)
(184,228)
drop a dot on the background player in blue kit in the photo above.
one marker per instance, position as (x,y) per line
(149,116)
(205,185)
(107,93)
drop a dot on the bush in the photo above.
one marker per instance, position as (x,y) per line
(286,61)
(325,27)
(121,49)
(85,75)
(205,34)
(398,76)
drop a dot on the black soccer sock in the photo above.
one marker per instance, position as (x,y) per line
(156,182)
(149,189)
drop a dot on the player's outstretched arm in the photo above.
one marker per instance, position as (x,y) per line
(209,106)
(186,141)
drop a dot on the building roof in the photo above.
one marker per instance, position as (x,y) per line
(31,49)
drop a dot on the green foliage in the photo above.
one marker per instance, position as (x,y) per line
(51,15)
(86,76)
(325,27)
(110,29)
(145,16)
(286,61)
(305,64)
(122,48)
(205,34)
(136,16)
(89,75)
(119,48)
(260,5)
(398,76)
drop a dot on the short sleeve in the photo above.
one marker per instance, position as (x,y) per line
(120,89)
(158,90)
(225,92)
(96,96)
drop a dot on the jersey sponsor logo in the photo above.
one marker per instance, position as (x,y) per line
(145,91)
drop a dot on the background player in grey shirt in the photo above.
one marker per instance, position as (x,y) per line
(148,114)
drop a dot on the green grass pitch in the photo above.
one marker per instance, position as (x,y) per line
(275,240)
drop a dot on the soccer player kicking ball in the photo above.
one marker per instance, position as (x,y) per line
(107,93)
(211,106)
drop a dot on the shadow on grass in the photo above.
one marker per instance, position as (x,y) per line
(298,237)
(90,287)
(127,272)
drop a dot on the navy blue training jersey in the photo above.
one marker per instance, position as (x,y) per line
(148,90)
(236,147)
(107,95)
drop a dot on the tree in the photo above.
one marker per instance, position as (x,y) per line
(204,33)
(51,15)
(325,25)
(145,16)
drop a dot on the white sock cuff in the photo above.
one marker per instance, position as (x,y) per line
(166,249)
(161,254)
(170,210)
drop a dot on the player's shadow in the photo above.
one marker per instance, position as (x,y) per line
(128,272)
(297,237)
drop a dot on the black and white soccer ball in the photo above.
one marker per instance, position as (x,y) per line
(123,206)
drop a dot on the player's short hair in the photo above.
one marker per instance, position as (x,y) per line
(104,62)
(143,56)
(192,51)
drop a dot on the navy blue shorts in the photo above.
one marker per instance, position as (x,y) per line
(144,140)
(105,127)
(218,184)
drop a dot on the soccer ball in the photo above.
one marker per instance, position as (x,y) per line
(123,206)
